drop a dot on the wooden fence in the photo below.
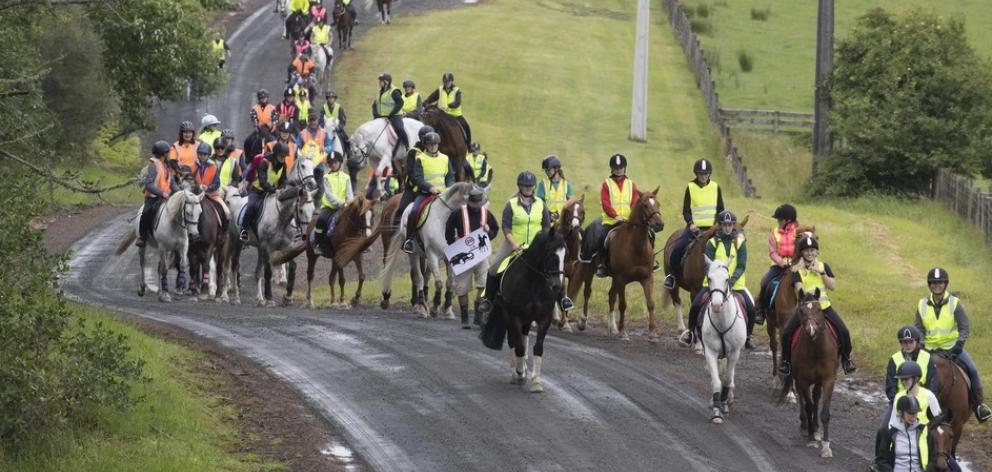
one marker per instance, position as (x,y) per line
(961,196)
(766,121)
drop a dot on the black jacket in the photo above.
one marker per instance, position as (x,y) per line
(453,227)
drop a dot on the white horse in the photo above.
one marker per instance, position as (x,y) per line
(323,61)
(177,221)
(372,141)
(723,335)
(430,247)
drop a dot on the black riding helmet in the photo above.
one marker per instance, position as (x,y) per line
(409,83)
(432,138)
(423,131)
(702,166)
(286,127)
(908,404)
(204,149)
(335,157)
(330,93)
(909,369)
(618,161)
(186,126)
(909,332)
(288,93)
(937,275)
(551,161)
(160,148)
(262,93)
(808,242)
(785,212)
(526,179)
(219,143)
(474,147)
(448,77)
(280,149)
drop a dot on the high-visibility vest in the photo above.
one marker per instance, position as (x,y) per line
(304,107)
(162,175)
(435,169)
(410,102)
(785,246)
(477,162)
(332,113)
(812,281)
(321,34)
(335,183)
(721,255)
(923,396)
(291,157)
(620,200)
(299,6)
(303,68)
(942,332)
(205,175)
(445,98)
(923,359)
(208,136)
(227,170)
(287,111)
(555,198)
(385,101)
(313,145)
(264,114)
(702,202)
(526,226)
(218,49)
(273,176)
(185,154)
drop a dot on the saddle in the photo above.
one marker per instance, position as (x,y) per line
(830,329)
(956,363)
(424,210)
(739,298)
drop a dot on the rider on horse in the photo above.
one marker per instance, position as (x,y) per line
(947,331)
(262,112)
(208,129)
(183,152)
(524,217)
(924,374)
(701,202)
(287,111)
(220,49)
(413,105)
(286,137)
(207,178)
(781,249)
(228,160)
(351,9)
(388,105)
(471,217)
(158,184)
(266,174)
(554,190)
(314,142)
(478,162)
(809,274)
(448,98)
(255,142)
(320,35)
(430,175)
(302,66)
(906,444)
(337,192)
(726,244)
(332,110)
(305,109)
(318,13)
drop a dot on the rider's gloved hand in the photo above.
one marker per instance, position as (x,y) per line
(958,348)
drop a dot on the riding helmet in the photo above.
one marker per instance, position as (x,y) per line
(204,148)
(280,149)
(551,161)
(808,242)
(262,93)
(474,147)
(227,133)
(702,166)
(186,126)
(937,275)
(335,156)
(386,78)
(208,120)
(432,138)
(909,369)
(618,161)
(726,216)
(423,131)
(286,127)
(313,115)
(526,179)
(219,143)
(476,195)
(448,77)
(330,93)
(908,404)
(409,83)
(288,92)
(160,148)
(909,332)
(785,212)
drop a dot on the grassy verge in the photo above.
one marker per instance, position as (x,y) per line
(180,425)
(109,165)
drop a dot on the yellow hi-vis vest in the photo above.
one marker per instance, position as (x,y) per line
(923,359)
(410,102)
(273,175)
(227,170)
(555,198)
(445,99)
(942,332)
(526,226)
(217,47)
(922,395)
(476,161)
(812,281)
(299,6)
(435,169)
(208,136)
(335,183)
(331,113)
(702,202)
(321,34)
(385,101)
(721,254)
(619,199)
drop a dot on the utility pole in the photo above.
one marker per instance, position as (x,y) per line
(639,101)
(824,64)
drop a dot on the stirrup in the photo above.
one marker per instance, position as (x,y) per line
(566,304)
(849,367)
(669,282)
(686,338)
(407,246)
(982,413)
(244,235)
(785,368)
(759,317)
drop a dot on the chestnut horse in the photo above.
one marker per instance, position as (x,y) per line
(569,225)
(784,305)
(452,138)
(352,234)
(952,394)
(632,260)
(814,371)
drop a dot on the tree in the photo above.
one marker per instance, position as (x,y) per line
(910,96)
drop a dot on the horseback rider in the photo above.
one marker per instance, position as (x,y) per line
(220,50)
(702,201)
(183,152)
(320,35)
(262,112)
(524,217)
(336,193)
(430,174)
(473,215)
(388,105)
(948,331)
(266,174)
(726,244)
(781,250)
(314,142)
(207,178)
(297,8)
(478,162)
(286,137)
(809,274)
(302,66)
(255,142)
(287,111)
(906,445)
(351,10)
(228,160)
(448,98)
(411,158)
(924,374)
(413,106)
(158,185)
(554,189)
(209,129)
(305,109)
(318,13)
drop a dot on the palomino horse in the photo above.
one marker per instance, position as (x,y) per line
(530,284)
(430,245)
(342,22)
(784,305)
(205,250)
(952,394)
(632,259)
(175,224)
(723,335)
(452,138)
(371,141)
(384,14)
(814,371)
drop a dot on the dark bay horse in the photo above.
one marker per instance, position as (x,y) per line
(691,278)
(952,394)
(452,138)
(527,296)
(342,22)
(784,306)
(814,371)
(206,251)
(631,256)
(944,441)
(384,14)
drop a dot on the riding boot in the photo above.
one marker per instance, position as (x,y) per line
(485,304)
(564,303)
(411,227)
(759,315)
(463,306)
(982,411)
(785,366)
(749,343)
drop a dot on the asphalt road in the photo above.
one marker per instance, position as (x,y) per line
(410,394)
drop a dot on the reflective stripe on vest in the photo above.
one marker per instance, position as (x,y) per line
(942,332)
(526,226)
(434,168)
(218,49)
(385,101)
(264,114)
(332,113)
(555,198)
(410,102)
(476,162)
(721,254)
(313,146)
(445,99)
(335,183)
(161,178)
(321,34)
(923,396)
(619,199)
(812,281)
(923,359)
(702,202)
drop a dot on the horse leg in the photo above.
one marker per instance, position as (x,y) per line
(142,285)
(613,303)
(622,294)
(809,409)
(815,421)
(340,273)
(212,282)
(290,282)
(827,395)
(311,266)
(677,302)
(586,284)
(771,325)
(542,332)
(518,363)
(648,286)
(729,370)
(361,280)
(713,365)
(420,303)
(163,276)
(235,274)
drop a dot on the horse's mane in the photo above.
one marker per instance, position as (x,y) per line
(455,188)
(173,206)
(544,242)
(353,246)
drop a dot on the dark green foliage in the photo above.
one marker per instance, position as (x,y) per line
(701,26)
(909,96)
(745,60)
(761,15)
(703,10)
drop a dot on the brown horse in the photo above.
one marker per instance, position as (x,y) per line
(569,224)
(944,440)
(452,138)
(384,13)
(784,305)
(814,371)
(352,235)
(342,22)
(952,394)
(632,260)
(205,252)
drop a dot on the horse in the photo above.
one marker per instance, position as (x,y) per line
(384,13)
(387,230)
(176,223)
(632,260)
(814,371)
(371,140)
(723,334)
(452,138)
(342,22)
(322,62)
(430,246)
(952,394)
(944,441)
(280,221)
(784,304)
(296,25)
(530,282)
(569,225)
(205,251)
(230,255)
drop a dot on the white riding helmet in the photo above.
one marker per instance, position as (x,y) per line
(209,120)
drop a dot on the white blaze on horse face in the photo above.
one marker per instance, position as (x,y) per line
(368,223)
(575,215)
(561,265)
(651,201)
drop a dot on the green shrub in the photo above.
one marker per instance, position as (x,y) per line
(745,60)
(703,11)
(701,26)
(689,10)
(761,15)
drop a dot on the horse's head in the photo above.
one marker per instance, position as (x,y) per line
(478,196)
(573,215)
(361,212)
(457,194)
(360,145)
(943,438)
(648,211)
(810,314)
(192,209)
(302,173)
(718,275)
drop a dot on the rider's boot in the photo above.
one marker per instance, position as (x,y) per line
(463,306)
(485,305)
(982,411)
(565,303)
(140,242)
(785,368)
(848,365)
(759,316)
(477,319)
(669,282)
(749,343)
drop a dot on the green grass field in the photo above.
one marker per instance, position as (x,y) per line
(783,47)
(110,165)
(180,425)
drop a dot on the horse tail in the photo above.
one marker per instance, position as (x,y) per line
(351,248)
(285,255)
(786,388)
(126,241)
(494,332)
(392,260)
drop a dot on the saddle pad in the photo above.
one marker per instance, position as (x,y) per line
(424,210)
(612,234)
(390,132)
(241,216)
(830,327)
(772,292)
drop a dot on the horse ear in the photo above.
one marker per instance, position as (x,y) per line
(802,293)
(708,260)
(744,221)
(655,191)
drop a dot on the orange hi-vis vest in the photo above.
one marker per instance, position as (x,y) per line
(185,154)
(290,158)
(207,177)
(313,143)
(162,175)
(302,68)
(264,114)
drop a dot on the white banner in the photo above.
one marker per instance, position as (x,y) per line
(469,251)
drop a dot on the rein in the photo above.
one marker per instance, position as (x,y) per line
(709,311)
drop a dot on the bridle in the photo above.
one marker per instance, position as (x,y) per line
(540,271)
(941,452)
(726,299)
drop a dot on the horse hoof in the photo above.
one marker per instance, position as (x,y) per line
(270,304)
(236,301)
(818,436)
(653,337)
(536,387)
(567,328)
(812,444)
(825,452)
(624,336)
(717,418)
(384,305)
(141,290)
(582,325)
(353,302)
(286,301)
(164,297)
